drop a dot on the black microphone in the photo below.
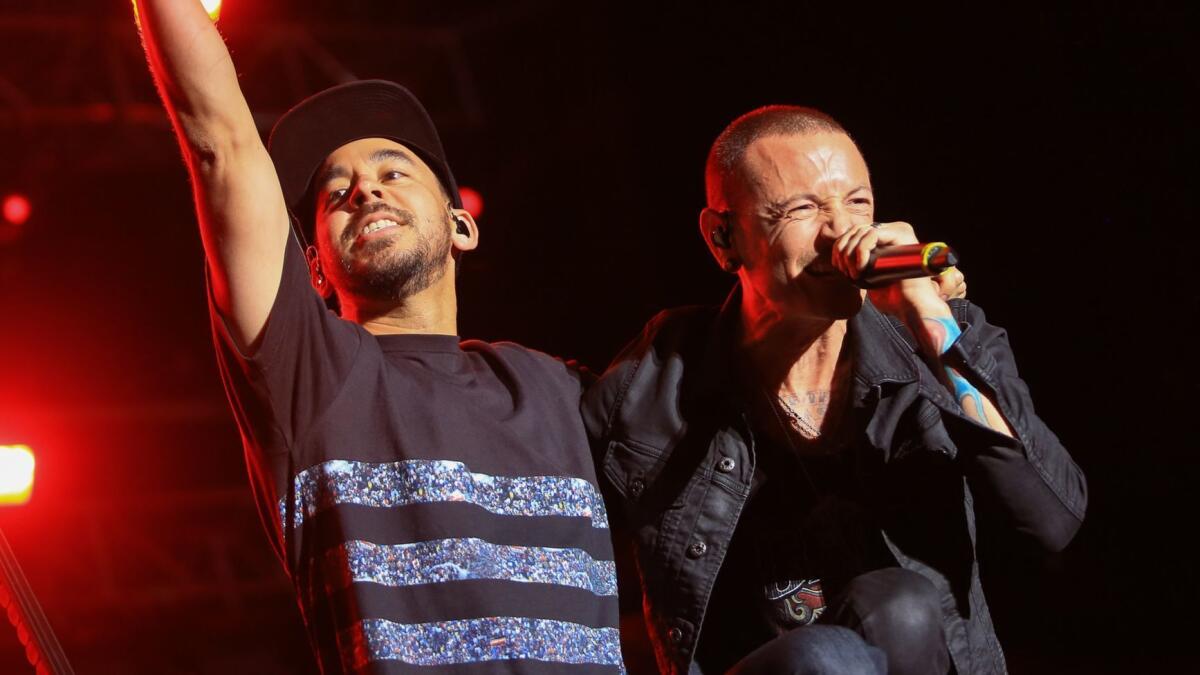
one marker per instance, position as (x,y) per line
(893,263)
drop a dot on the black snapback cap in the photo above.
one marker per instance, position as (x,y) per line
(305,135)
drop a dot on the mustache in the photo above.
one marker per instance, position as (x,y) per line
(401,216)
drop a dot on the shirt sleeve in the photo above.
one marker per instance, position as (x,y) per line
(301,364)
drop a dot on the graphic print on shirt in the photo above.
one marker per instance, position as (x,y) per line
(796,603)
(417,481)
(477,640)
(458,641)
(431,562)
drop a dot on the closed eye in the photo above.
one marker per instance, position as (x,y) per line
(860,204)
(800,211)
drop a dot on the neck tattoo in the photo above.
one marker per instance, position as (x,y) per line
(798,421)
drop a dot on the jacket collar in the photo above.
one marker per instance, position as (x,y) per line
(721,366)
(883,352)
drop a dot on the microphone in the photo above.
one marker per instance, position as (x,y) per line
(893,263)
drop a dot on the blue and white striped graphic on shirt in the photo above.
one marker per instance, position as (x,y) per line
(478,640)
(431,562)
(419,481)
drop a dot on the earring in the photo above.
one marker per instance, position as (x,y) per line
(320,279)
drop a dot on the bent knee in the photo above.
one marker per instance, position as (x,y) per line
(901,603)
(814,650)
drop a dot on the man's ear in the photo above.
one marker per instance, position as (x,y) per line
(718,234)
(319,281)
(464,233)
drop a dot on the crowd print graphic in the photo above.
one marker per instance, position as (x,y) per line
(415,481)
(432,562)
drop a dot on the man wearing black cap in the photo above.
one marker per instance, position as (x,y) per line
(433,501)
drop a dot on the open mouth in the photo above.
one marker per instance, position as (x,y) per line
(378,225)
(377,229)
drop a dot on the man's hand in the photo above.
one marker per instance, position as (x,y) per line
(951,284)
(921,305)
(909,299)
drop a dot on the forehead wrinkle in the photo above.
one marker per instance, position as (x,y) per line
(783,172)
(768,170)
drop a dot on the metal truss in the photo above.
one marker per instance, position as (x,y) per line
(76,89)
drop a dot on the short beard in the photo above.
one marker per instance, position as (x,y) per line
(399,275)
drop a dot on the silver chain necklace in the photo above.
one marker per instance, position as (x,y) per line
(798,421)
(787,437)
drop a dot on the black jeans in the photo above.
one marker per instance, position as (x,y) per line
(897,614)
(814,650)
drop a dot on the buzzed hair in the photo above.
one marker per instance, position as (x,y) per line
(727,151)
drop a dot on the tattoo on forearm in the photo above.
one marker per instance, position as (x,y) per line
(940,332)
(967,396)
(943,331)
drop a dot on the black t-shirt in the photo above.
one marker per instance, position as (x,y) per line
(434,503)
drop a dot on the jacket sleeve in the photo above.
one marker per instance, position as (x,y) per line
(603,397)
(1029,482)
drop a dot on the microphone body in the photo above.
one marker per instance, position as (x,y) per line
(893,263)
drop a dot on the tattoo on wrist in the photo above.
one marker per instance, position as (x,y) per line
(943,332)
(967,396)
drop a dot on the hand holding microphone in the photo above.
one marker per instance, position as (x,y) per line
(879,254)
(905,261)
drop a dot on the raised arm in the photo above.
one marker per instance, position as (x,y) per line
(240,206)
(922,308)
(1018,470)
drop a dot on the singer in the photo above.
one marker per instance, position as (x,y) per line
(801,470)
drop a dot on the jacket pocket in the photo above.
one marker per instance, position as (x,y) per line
(924,432)
(633,469)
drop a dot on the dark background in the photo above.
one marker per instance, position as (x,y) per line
(1052,146)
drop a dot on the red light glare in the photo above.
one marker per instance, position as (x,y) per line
(472,201)
(16,474)
(17,209)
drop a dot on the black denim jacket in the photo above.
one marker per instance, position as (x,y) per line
(676,455)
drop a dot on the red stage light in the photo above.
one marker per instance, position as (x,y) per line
(16,474)
(17,209)
(472,201)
